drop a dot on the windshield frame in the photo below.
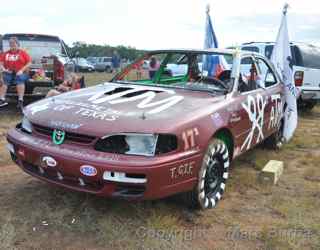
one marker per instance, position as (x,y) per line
(119,77)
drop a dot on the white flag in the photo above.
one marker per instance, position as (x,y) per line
(282,60)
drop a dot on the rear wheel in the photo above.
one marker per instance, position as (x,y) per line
(306,105)
(275,141)
(310,105)
(212,177)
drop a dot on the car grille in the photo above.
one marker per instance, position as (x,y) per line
(71,137)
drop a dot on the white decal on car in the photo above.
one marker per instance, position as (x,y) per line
(254,107)
(183,170)
(64,125)
(276,111)
(38,108)
(88,113)
(188,138)
(217,119)
(146,99)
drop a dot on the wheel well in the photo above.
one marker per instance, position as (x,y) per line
(226,136)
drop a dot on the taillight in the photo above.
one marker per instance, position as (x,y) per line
(298,78)
(58,71)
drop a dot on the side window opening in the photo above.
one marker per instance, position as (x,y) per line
(248,75)
(295,53)
(266,76)
(251,48)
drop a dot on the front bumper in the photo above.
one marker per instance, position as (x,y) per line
(127,177)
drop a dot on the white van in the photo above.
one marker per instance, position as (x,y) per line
(306,68)
(48,53)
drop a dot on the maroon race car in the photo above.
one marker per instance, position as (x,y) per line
(173,127)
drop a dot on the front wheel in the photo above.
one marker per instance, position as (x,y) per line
(212,178)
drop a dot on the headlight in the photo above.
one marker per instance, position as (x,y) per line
(128,143)
(137,144)
(141,144)
(26,125)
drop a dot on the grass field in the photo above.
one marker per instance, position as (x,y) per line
(35,215)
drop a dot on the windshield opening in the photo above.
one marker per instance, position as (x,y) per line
(190,70)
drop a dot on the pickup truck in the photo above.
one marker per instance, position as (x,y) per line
(306,68)
(49,54)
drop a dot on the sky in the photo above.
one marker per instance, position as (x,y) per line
(151,24)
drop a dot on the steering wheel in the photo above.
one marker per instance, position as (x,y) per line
(214,81)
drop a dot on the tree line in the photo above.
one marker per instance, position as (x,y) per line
(81,49)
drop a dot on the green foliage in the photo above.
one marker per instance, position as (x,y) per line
(86,50)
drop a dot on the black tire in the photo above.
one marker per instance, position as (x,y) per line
(310,105)
(275,141)
(108,69)
(306,105)
(214,171)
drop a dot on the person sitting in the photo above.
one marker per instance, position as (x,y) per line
(193,71)
(14,63)
(40,75)
(154,65)
(72,83)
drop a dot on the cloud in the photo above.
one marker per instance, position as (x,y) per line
(149,24)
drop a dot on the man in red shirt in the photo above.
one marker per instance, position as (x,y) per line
(14,63)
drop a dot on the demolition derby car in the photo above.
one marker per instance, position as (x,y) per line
(151,132)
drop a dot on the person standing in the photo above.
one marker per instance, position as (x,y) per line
(1,75)
(115,61)
(14,64)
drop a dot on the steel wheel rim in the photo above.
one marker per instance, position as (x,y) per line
(213,176)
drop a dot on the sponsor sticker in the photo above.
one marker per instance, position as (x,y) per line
(58,136)
(88,170)
(217,119)
(49,161)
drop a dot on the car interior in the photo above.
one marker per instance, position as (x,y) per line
(182,69)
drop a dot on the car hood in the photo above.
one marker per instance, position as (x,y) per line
(113,107)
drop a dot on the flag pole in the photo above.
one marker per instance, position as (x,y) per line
(285,8)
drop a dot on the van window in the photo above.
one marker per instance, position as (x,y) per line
(268,51)
(251,48)
(310,56)
(295,52)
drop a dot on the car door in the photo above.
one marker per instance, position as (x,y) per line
(248,116)
(273,96)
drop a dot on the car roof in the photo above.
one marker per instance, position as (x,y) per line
(6,36)
(272,43)
(213,50)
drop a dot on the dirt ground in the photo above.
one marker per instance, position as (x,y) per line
(35,215)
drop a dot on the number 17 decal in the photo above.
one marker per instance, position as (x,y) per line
(188,138)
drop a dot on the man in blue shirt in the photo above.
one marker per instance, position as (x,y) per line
(115,61)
